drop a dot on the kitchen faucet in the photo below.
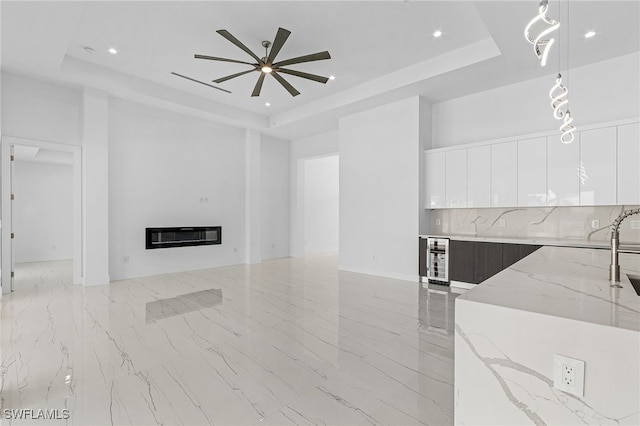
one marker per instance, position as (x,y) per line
(614,268)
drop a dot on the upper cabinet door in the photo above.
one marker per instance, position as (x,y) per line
(435,176)
(562,172)
(504,174)
(629,164)
(532,172)
(597,167)
(456,179)
(479,176)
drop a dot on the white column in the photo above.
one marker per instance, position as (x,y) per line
(424,142)
(95,191)
(379,190)
(253,191)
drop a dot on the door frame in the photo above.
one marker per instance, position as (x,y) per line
(301,210)
(7,221)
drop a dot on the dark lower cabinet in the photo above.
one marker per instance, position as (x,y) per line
(461,260)
(422,258)
(511,253)
(487,260)
(475,261)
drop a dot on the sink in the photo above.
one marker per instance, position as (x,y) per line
(635,282)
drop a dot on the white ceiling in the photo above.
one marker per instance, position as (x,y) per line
(381,51)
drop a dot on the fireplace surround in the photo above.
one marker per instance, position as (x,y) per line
(183,236)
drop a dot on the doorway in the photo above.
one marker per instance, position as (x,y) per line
(321,205)
(41,207)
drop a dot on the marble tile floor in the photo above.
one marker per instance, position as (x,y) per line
(287,341)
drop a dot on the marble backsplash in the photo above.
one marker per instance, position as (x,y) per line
(572,223)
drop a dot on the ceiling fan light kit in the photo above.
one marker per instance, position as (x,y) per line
(266,64)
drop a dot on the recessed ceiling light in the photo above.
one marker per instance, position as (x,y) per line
(332,77)
(267,104)
(437,33)
(113,51)
(590,34)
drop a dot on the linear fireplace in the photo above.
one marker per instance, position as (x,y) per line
(183,236)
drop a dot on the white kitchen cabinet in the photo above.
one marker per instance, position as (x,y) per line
(629,164)
(562,172)
(597,167)
(532,172)
(435,176)
(504,174)
(456,178)
(479,176)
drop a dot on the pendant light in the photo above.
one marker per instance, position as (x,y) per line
(543,26)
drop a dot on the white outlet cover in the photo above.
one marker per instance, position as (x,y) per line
(635,224)
(502,223)
(578,366)
(595,223)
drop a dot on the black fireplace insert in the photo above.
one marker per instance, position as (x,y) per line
(183,236)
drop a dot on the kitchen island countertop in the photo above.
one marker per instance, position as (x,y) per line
(566,282)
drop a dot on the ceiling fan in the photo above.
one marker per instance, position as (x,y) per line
(266,64)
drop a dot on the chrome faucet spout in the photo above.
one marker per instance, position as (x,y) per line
(614,268)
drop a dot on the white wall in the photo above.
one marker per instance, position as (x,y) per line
(601,92)
(274,169)
(321,204)
(379,190)
(160,166)
(301,150)
(95,187)
(167,169)
(43,211)
(34,109)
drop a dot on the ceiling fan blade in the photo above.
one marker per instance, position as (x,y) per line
(258,86)
(278,42)
(226,34)
(285,83)
(306,58)
(198,81)
(214,58)
(229,77)
(318,78)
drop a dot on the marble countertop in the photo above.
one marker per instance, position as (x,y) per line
(559,242)
(566,282)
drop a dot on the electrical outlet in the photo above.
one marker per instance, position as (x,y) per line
(502,223)
(437,222)
(595,223)
(568,375)
(635,224)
